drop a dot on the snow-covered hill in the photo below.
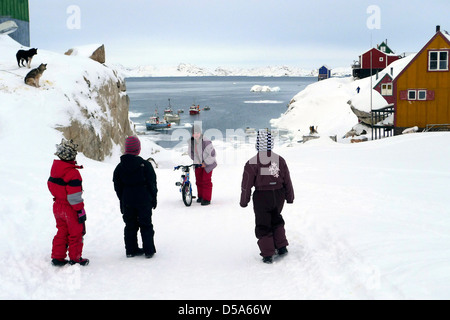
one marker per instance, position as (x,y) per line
(186,70)
(77,95)
(326,105)
(369,220)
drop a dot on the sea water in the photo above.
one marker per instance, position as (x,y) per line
(233,106)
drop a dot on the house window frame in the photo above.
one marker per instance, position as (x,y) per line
(418,95)
(387,91)
(438,60)
(415,95)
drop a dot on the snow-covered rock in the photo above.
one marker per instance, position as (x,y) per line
(94,51)
(83,99)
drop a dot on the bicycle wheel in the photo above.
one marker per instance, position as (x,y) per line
(186,193)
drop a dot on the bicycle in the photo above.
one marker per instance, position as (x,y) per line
(185,184)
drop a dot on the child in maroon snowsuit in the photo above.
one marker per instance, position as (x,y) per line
(202,152)
(68,206)
(269,174)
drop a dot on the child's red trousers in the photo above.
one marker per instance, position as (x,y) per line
(69,236)
(204,183)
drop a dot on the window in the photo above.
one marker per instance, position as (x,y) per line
(381,59)
(386,89)
(417,94)
(437,60)
(422,95)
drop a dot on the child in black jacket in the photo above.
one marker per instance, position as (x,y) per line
(135,185)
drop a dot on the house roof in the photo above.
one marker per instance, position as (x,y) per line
(381,78)
(385,45)
(397,67)
(388,54)
(437,34)
(447,35)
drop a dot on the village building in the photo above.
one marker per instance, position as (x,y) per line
(373,61)
(15,20)
(324,73)
(385,87)
(422,88)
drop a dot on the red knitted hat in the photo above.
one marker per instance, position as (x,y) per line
(132,145)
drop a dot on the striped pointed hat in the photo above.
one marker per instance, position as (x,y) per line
(264,140)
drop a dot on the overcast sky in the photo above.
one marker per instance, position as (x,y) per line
(236,33)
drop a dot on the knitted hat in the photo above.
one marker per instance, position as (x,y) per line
(132,145)
(66,150)
(264,141)
(197,127)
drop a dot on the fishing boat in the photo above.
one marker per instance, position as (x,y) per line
(194,109)
(168,109)
(170,116)
(154,123)
(250,131)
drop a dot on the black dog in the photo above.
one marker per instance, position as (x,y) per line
(25,55)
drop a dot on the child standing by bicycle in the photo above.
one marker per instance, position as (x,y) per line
(269,174)
(202,152)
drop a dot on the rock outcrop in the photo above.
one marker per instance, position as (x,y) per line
(94,52)
(97,132)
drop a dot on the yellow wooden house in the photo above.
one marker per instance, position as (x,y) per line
(422,89)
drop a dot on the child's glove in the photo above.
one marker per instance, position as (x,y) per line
(81,216)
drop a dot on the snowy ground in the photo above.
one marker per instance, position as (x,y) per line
(369,221)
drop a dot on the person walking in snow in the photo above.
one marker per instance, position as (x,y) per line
(65,185)
(202,152)
(135,184)
(268,173)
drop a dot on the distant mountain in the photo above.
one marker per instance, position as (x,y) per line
(186,70)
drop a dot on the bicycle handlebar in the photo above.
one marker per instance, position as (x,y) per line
(183,166)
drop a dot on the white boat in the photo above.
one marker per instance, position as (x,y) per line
(250,131)
(169,115)
(8,27)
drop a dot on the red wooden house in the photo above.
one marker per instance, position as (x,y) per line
(385,87)
(373,61)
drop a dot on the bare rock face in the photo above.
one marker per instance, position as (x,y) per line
(99,115)
(97,132)
(94,52)
(99,54)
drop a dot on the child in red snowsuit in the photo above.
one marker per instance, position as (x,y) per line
(68,206)
(202,152)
